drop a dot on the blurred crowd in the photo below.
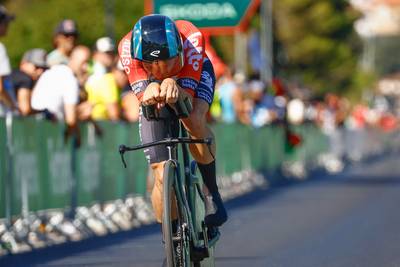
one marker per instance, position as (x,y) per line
(78,83)
(253,102)
(71,83)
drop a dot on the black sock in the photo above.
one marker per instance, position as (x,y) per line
(208,173)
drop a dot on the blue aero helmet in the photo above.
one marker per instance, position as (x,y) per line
(156,37)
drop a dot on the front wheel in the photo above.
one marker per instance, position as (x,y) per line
(176,235)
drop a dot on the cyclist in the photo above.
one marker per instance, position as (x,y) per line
(164,61)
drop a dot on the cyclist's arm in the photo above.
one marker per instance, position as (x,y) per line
(137,76)
(166,92)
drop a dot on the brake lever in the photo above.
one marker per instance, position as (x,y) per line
(122,150)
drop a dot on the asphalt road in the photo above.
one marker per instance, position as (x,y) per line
(351,219)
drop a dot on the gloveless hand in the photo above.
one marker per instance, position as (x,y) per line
(169,91)
(151,95)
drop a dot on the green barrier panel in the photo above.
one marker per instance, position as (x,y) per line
(50,168)
(57,178)
(240,147)
(317,142)
(274,146)
(321,142)
(88,168)
(26,157)
(257,148)
(229,148)
(245,143)
(41,165)
(101,175)
(266,148)
(314,142)
(112,179)
(2,166)
(137,163)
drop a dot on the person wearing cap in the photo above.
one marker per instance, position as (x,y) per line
(65,37)
(103,57)
(5,69)
(32,65)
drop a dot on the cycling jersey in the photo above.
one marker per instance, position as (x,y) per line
(189,76)
(159,130)
(196,77)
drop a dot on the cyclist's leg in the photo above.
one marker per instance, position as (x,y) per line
(196,125)
(151,131)
(157,192)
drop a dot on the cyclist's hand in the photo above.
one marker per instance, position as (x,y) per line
(169,91)
(151,95)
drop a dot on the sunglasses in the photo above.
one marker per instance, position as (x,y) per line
(70,35)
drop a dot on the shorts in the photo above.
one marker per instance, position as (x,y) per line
(151,130)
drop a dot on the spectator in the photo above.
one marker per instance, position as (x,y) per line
(32,65)
(226,91)
(103,57)
(5,68)
(98,107)
(242,104)
(264,110)
(103,94)
(57,90)
(64,41)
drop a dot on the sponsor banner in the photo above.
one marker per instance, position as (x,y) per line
(211,15)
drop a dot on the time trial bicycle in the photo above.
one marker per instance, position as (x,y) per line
(190,242)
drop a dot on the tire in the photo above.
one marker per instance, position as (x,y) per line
(168,181)
(173,258)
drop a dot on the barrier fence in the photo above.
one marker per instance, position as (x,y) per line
(52,192)
(42,171)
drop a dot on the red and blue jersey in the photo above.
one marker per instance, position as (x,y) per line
(188,77)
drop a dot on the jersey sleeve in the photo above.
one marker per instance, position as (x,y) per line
(21,80)
(137,76)
(193,49)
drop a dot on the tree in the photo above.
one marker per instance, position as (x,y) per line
(316,43)
(35,22)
